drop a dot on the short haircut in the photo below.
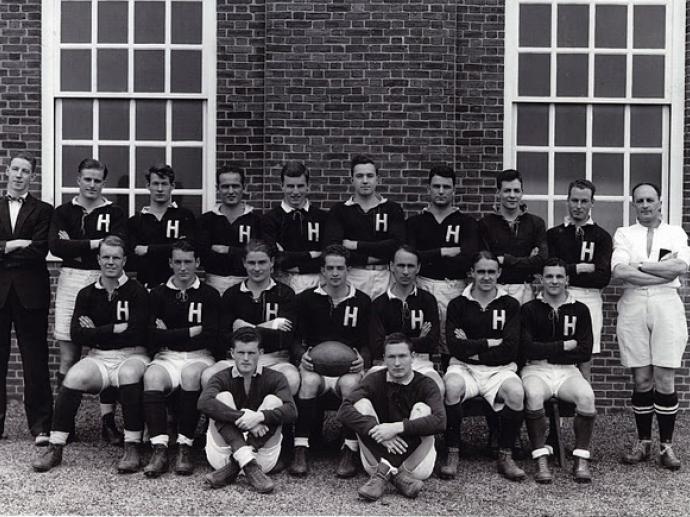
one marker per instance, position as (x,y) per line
(25,155)
(162,170)
(92,163)
(294,169)
(582,184)
(396,338)
(114,241)
(362,159)
(337,250)
(258,245)
(184,245)
(555,262)
(407,248)
(443,170)
(508,175)
(226,169)
(646,183)
(484,255)
(245,335)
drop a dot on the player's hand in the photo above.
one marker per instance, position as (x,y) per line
(95,243)
(314,254)
(459,334)
(494,342)
(282,324)
(534,252)
(351,245)
(259,430)
(62,234)
(249,419)
(426,328)
(358,364)
(219,248)
(141,250)
(195,330)
(395,445)
(386,431)
(239,323)
(452,251)
(584,267)
(16,244)
(569,344)
(86,323)
(306,361)
(160,324)
(119,328)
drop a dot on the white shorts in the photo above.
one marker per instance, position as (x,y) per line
(423,470)
(553,375)
(223,283)
(277,361)
(651,328)
(523,293)
(592,299)
(174,362)
(110,361)
(484,381)
(70,282)
(299,281)
(444,291)
(373,282)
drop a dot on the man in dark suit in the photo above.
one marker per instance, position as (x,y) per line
(25,293)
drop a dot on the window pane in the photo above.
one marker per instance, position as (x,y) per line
(185,71)
(571,125)
(560,210)
(607,174)
(573,26)
(611,26)
(112,22)
(571,80)
(149,74)
(648,76)
(609,76)
(534,168)
(144,158)
(539,208)
(149,22)
(113,119)
(187,117)
(150,121)
(646,126)
(188,165)
(75,70)
(645,168)
(535,26)
(649,26)
(608,126)
(533,74)
(186,22)
(116,158)
(533,124)
(77,119)
(72,155)
(75,22)
(568,167)
(112,70)
(609,214)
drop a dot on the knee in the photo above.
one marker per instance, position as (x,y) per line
(514,396)
(75,381)
(226,398)
(346,384)
(311,382)
(271,402)
(365,407)
(420,410)
(584,402)
(664,380)
(293,378)
(155,379)
(190,378)
(455,389)
(129,374)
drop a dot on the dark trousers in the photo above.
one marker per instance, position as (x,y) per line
(31,327)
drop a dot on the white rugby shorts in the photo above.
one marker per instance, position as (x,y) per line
(552,375)
(223,283)
(482,380)
(109,362)
(444,291)
(174,362)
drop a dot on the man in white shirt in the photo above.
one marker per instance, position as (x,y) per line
(648,257)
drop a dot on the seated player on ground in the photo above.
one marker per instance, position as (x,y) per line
(110,317)
(184,334)
(483,332)
(556,337)
(395,412)
(247,405)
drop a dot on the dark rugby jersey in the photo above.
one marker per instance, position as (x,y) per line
(297,232)
(277,301)
(82,227)
(592,245)
(214,228)
(265,382)
(515,245)
(390,314)
(378,232)
(145,229)
(544,329)
(129,303)
(180,310)
(393,402)
(428,236)
(499,320)
(348,322)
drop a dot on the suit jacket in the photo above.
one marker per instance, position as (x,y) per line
(26,269)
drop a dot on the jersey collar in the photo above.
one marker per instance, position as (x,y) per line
(568,299)
(247,209)
(170,284)
(467,292)
(235,372)
(350,294)
(75,201)
(392,296)
(404,383)
(245,289)
(120,282)
(288,209)
(567,221)
(147,209)
(379,201)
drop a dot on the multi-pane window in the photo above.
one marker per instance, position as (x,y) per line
(133,84)
(591,92)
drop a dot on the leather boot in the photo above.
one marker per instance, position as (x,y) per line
(223,476)
(184,465)
(48,458)
(373,489)
(406,484)
(507,468)
(347,466)
(641,451)
(158,464)
(450,468)
(130,462)
(299,466)
(668,458)
(257,479)
(543,473)
(581,472)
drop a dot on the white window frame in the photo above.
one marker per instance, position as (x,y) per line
(674,98)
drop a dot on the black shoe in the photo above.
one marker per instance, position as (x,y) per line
(299,466)
(184,465)
(543,474)
(131,460)
(450,468)
(257,479)
(158,464)
(668,458)
(110,432)
(375,487)
(581,472)
(406,484)
(641,451)
(347,466)
(507,468)
(223,476)
(49,458)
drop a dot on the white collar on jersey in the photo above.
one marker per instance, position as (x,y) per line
(104,203)
(379,201)
(404,383)
(567,221)
(147,209)
(247,209)
(288,209)
(236,373)
(120,281)
(568,299)
(195,285)
(350,294)
(467,292)
(392,295)
(245,289)
(453,209)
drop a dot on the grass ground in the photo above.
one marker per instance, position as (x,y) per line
(86,483)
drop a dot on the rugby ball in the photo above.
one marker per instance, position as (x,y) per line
(332,358)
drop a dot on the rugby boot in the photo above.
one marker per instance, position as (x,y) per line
(641,451)
(184,465)
(406,484)
(299,466)
(347,466)
(109,430)
(158,464)
(257,479)
(373,489)
(450,469)
(48,458)
(543,473)
(223,476)
(507,468)
(581,472)
(131,460)
(668,458)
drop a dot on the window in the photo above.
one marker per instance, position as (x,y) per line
(132,83)
(594,88)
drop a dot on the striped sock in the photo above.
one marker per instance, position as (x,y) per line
(666,407)
(643,407)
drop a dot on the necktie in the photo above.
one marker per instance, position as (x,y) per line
(650,240)
(18,199)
